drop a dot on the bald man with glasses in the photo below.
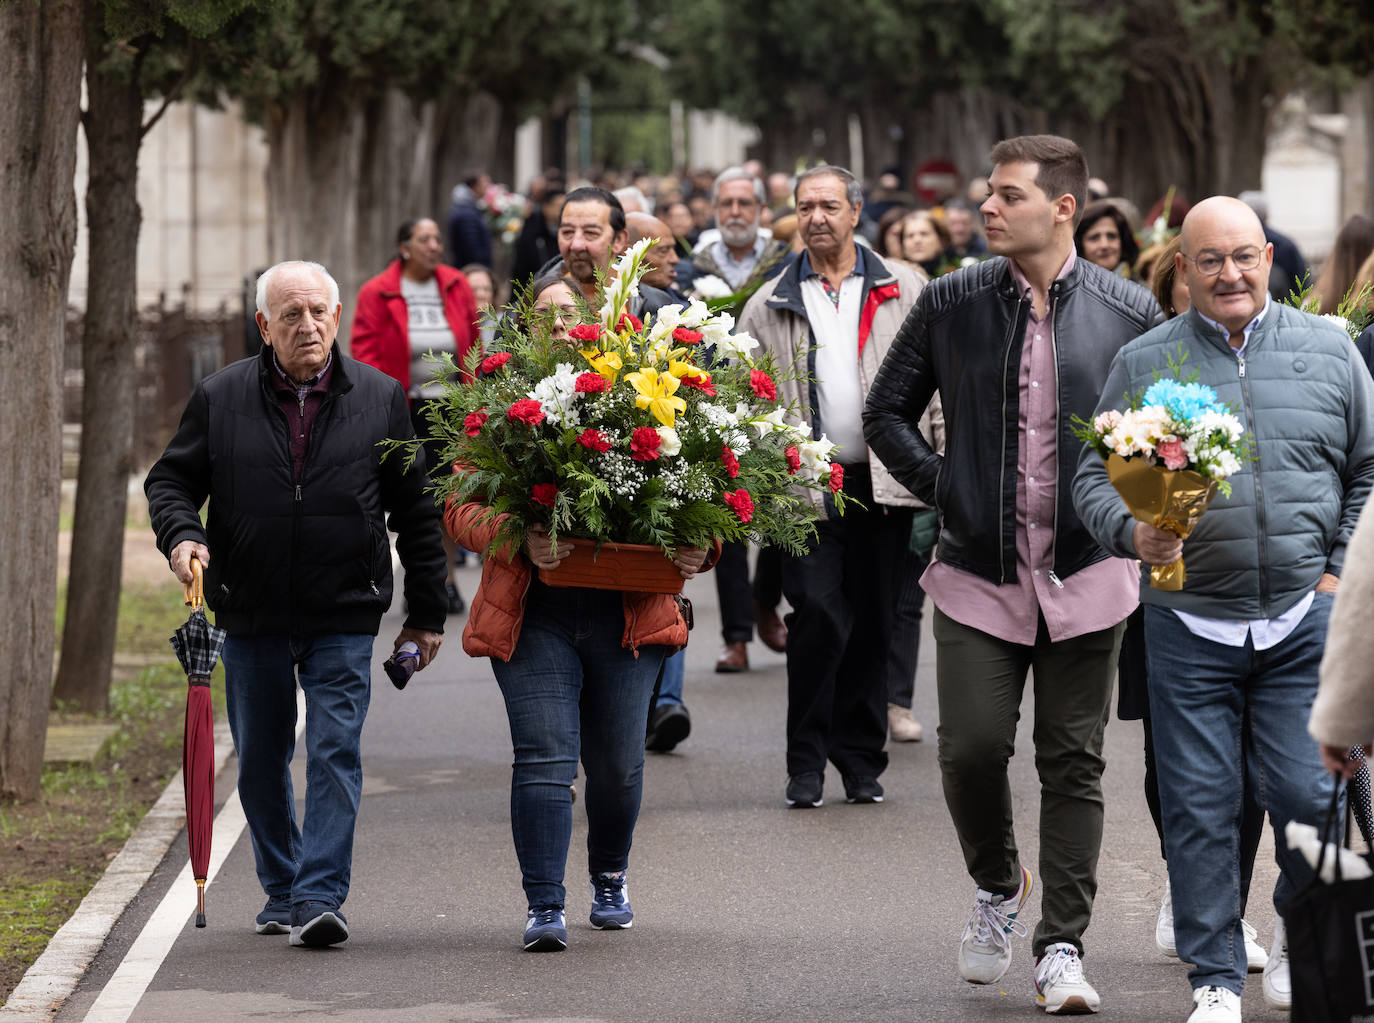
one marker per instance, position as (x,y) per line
(1234,655)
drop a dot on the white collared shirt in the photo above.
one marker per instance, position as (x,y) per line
(838,390)
(737,271)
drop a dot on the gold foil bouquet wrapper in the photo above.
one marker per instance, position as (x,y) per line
(1172,499)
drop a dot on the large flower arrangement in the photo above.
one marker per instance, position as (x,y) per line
(669,433)
(1168,454)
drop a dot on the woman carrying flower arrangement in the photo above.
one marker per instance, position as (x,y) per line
(609,432)
(576,667)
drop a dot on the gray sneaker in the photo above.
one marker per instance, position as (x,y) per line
(985,948)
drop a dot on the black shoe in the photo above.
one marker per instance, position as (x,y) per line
(275,917)
(456,604)
(804,790)
(862,790)
(669,724)
(317,925)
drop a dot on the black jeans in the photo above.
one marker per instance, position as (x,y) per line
(843,594)
(737,598)
(906,632)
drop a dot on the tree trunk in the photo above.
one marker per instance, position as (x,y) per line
(315,147)
(113,124)
(40,62)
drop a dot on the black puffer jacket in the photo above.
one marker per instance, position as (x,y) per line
(964,339)
(305,559)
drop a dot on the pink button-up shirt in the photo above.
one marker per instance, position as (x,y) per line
(1093,598)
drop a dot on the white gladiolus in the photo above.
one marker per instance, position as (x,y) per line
(815,456)
(694,315)
(769,423)
(666,320)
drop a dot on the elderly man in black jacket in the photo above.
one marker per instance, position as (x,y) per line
(285,447)
(1016,347)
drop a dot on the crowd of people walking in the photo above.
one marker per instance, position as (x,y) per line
(949,348)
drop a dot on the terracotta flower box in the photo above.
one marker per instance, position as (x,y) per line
(624,566)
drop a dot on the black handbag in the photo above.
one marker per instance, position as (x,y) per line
(1330,930)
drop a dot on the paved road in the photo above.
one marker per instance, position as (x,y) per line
(744,910)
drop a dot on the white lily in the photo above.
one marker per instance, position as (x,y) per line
(736,346)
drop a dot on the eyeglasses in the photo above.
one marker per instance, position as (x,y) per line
(1209,262)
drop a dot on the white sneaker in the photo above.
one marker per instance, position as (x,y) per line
(1277,983)
(1256,958)
(1215,1005)
(1059,982)
(1164,925)
(985,949)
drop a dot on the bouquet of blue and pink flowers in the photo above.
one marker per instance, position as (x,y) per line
(1168,455)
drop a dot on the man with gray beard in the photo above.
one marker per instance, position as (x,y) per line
(737,252)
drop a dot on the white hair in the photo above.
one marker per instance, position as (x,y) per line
(738,174)
(630,196)
(265,278)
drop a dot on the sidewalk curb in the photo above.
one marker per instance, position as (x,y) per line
(50,981)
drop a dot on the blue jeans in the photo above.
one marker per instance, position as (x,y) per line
(572,690)
(670,689)
(1217,713)
(312,863)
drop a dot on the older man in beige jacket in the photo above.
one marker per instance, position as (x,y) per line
(834,312)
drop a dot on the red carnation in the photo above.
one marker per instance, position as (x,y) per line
(494,362)
(474,421)
(544,493)
(590,383)
(793,459)
(687,337)
(763,385)
(595,440)
(644,444)
(836,478)
(587,332)
(700,381)
(629,321)
(731,462)
(741,503)
(526,410)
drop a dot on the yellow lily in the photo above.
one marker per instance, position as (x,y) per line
(681,368)
(608,364)
(656,393)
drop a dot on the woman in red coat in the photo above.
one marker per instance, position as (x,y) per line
(415,307)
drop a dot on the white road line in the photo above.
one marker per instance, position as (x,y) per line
(126,988)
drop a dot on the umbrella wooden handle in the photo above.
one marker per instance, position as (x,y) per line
(195,589)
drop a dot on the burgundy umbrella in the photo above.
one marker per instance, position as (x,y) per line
(198,645)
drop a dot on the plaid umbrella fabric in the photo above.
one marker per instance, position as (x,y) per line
(198,645)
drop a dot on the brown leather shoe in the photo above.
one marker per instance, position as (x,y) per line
(771,628)
(902,726)
(735,657)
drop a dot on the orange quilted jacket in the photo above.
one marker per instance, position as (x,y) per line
(497,609)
